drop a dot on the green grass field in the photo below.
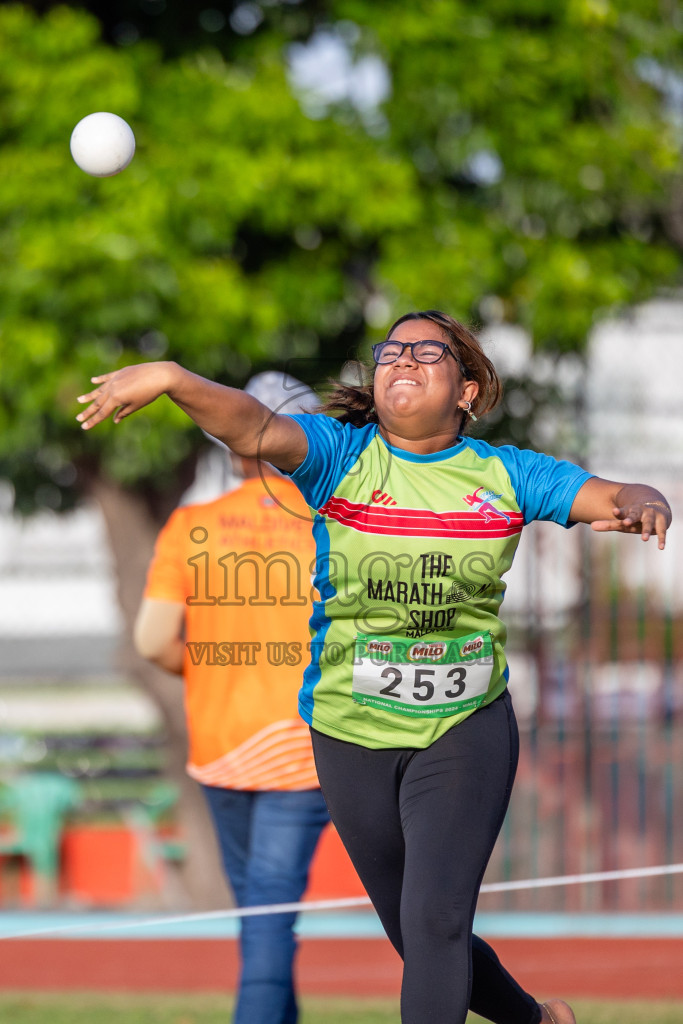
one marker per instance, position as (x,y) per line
(213,1009)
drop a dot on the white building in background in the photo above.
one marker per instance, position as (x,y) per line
(59,614)
(635,394)
(58,610)
(635,426)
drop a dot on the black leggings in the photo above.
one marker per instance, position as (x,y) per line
(419,826)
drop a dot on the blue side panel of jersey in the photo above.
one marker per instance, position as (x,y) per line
(545,487)
(333,449)
(319,621)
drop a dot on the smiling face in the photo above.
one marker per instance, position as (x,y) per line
(418,403)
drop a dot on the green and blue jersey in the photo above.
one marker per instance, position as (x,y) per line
(411,555)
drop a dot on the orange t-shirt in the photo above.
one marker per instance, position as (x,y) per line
(242,566)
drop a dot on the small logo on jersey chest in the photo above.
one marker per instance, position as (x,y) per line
(382,498)
(482,500)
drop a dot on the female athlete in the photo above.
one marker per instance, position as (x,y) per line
(406,694)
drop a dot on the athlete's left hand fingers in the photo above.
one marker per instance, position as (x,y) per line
(649,519)
(643,519)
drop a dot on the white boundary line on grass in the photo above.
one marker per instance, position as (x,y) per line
(338,904)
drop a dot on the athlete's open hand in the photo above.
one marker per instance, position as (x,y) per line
(639,517)
(122,392)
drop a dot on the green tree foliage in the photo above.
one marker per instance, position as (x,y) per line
(524,167)
(547,161)
(243,232)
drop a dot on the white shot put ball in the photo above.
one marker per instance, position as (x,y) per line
(102,144)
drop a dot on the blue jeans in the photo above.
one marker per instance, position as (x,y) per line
(267,841)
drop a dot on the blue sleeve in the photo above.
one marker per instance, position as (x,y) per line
(545,487)
(333,448)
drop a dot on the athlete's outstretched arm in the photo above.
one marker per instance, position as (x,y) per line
(626,508)
(239,420)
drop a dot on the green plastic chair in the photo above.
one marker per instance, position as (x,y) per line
(37,806)
(159,799)
(144,816)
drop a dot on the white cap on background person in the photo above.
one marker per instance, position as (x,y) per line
(216,475)
(282,393)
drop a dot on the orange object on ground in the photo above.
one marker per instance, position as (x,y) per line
(101,868)
(100,865)
(332,875)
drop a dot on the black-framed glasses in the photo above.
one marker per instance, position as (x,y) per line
(426,351)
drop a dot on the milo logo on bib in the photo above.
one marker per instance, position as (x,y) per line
(379,647)
(472,646)
(433,678)
(427,652)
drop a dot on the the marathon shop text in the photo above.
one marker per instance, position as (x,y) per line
(412,596)
(432,578)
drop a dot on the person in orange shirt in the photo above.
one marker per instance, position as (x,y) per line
(226,606)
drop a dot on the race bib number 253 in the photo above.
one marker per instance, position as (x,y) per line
(433,678)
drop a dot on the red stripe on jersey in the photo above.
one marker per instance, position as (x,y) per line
(414,522)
